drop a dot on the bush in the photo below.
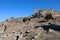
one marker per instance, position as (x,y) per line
(48,16)
(25,19)
(12,18)
(41,15)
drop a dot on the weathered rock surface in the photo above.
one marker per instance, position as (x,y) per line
(35,29)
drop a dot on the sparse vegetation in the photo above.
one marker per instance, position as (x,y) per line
(39,26)
(48,16)
(40,15)
(25,19)
(12,18)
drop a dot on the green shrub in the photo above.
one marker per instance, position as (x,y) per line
(25,19)
(41,15)
(48,16)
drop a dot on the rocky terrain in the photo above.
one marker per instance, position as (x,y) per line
(39,26)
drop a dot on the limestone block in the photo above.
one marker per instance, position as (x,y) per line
(51,30)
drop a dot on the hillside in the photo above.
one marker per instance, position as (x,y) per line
(42,25)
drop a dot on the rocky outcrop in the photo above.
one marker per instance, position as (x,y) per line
(37,28)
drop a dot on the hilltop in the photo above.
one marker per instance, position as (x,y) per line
(42,25)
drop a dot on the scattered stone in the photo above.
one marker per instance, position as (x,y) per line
(33,28)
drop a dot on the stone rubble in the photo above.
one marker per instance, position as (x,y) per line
(16,29)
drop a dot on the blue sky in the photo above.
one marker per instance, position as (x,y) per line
(21,8)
